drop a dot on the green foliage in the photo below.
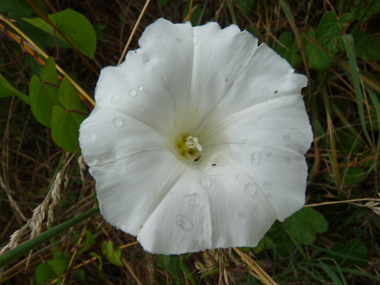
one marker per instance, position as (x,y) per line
(363,10)
(365,46)
(170,263)
(58,265)
(7,90)
(353,175)
(80,275)
(329,32)
(354,252)
(112,255)
(246,5)
(291,51)
(43,273)
(93,254)
(282,243)
(42,95)
(305,224)
(75,27)
(316,57)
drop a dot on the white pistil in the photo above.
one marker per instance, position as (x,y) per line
(192,142)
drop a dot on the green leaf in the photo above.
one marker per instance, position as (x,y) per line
(353,175)
(43,273)
(80,275)
(169,263)
(163,2)
(304,224)
(7,90)
(65,128)
(281,241)
(19,6)
(58,265)
(43,96)
(365,46)
(334,278)
(115,257)
(346,18)
(329,32)
(76,28)
(93,254)
(69,97)
(107,248)
(291,53)
(355,252)
(316,58)
(364,9)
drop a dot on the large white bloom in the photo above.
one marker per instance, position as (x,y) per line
(197,140)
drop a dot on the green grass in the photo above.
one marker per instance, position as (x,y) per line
(336,44)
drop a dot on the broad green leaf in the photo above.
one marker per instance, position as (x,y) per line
(364,9)
(69,97)
(43,273)
(65,128)
(58,265)
(282,243)
(304,224)
(7,90)
(345,18)
(19,6)
(353,175)
(291,53)
(316,58)
(80,274)
(365,46)
(355,252)
(170,263)
(76,28)
(43,96)
(115,257)
(329,32)
(107,248)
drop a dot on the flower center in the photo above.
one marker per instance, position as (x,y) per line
(188,148)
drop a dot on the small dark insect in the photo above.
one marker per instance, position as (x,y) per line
(275,91)
(197,158)
(213,164)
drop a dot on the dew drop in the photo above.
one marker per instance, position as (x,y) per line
(184,223)
(132,92)
(205,183)
(223,177)
(173,195)
(288,160)
(256,209)
(195,40)
(287,138)
(241,215)
(255,158)
(267,185)
(141,88)
(116,99)
(269,154)
(93,136)
(118,122)
(269,196)
(245,144)
(193,199)
(250,189)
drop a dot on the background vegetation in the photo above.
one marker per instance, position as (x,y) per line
(331,241)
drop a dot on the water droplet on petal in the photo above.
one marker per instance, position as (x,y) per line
(286,138)
(269,196)
(267,185)
(93,136)
(245,144)
(118,123)
(184,223)
(288,160)
(193,199)
(269,154)
(250,189)
(116,99)
(223,177)
(255,158)
(241,215)
(141,88)
(132,92)
(256,209)
(195,40)
(205,183)
(173,195)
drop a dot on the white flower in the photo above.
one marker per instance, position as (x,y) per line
(197,140)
